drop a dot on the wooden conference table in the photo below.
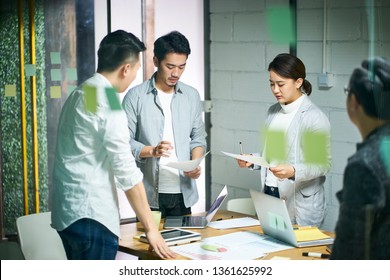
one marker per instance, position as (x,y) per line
(128,244)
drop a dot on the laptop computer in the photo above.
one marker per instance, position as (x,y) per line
(275,221)
(197,221)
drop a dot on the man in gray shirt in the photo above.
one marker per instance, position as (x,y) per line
(165,123)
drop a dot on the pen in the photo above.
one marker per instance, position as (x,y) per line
(316,255)
(220,219)
(241,148)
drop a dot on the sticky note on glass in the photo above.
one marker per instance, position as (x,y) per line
(280,25)
(55,74)
(10,90)
(29,70)
(315,147)
(275,145)
(90,99)
(55,92)
(71,74)
(276,221)
(55,58)
(70,88)
(385,152)
(113,99)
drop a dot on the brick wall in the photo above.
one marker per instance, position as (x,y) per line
(240,51)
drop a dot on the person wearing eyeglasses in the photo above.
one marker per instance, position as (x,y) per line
(299,182)
(363,226)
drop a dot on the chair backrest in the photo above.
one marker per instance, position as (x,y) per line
(241,205)
(38,240)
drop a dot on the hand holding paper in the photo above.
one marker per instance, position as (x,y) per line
(249,158)
(187,165)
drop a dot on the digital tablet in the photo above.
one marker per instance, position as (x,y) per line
(176,236)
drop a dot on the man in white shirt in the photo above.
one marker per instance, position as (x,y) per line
(92,151)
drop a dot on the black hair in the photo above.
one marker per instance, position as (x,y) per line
(173,42)
(371,86)
(117,48)
(290,67)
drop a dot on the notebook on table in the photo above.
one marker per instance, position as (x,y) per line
(197,221)
(275,222)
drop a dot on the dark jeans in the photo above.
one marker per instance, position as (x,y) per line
(87,239)
(172,205)
(273,191)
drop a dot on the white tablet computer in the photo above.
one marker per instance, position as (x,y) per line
(176,236)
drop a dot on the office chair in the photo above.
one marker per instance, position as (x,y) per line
(241,205)
(38,240)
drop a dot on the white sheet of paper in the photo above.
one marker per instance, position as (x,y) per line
(243,245)
(188,165)
(252,159)
(234,223)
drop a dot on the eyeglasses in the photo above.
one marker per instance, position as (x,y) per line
(347,90)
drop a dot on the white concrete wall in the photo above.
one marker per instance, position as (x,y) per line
(240,53)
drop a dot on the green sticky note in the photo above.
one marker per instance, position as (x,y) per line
(113,99)
(90,99)
(10,90)
(315,147)
(70,88)
(385,152)
(71,74)
(280,223)
(280,25)
(55,92)
(55,58)
(55,74)
(276,221)
(29,69)
(275,146)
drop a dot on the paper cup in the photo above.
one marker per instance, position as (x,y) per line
(157,218)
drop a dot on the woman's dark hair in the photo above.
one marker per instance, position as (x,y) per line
(371,86)
(117,48)
(290,67)
(173,42)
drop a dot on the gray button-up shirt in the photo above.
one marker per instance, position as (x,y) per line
(146,125)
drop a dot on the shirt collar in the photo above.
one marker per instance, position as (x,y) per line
(152,85)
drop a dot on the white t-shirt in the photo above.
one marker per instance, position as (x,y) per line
(169,178)
(281,122)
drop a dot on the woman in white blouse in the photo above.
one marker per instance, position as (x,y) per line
(294,178)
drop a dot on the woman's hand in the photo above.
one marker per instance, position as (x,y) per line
(283,171)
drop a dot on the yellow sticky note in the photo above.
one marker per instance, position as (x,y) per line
(55,58)
(10,90)
(55,74)
(55,92)
(309,234)
(275,146)
(90,99)
(280,24)
(315,147)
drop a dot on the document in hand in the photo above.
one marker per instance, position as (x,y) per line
(249,158)
(188,165)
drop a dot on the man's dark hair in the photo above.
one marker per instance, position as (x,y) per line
(117,48)
(371,86)
(173,42)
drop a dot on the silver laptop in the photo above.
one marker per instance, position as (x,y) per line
(196,221)
(275,221)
